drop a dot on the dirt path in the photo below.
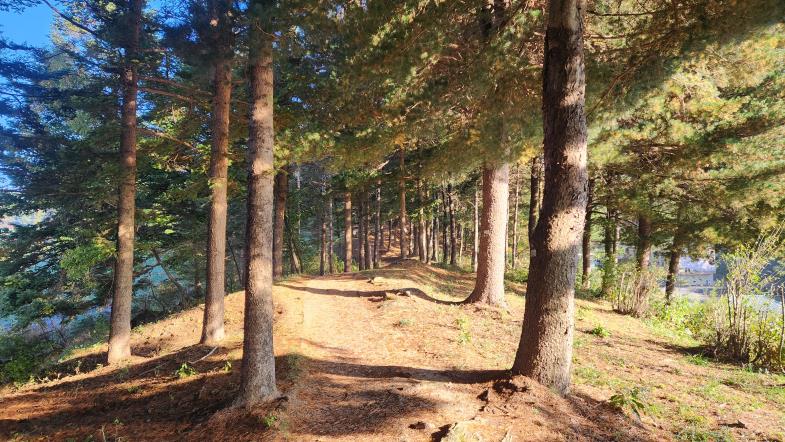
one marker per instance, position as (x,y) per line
(390,360)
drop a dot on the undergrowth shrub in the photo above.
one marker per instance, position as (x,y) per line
(21,357)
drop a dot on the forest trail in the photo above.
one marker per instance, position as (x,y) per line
(379,355)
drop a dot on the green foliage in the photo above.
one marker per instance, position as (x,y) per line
(600,332)
(269,421)
(698,360)
(79,261)
(632,399)
(21,359)
(185,371)
(464,335)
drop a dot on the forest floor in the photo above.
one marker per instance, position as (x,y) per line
(385,355)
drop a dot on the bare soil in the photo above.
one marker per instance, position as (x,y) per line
(387,355)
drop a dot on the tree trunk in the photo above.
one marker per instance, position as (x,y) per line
(422,248)
(673,271)
(389,234)
(367,230)
(489,285)
(257,373)
(461,241)
(120,331)
(280,191)
(402,200)
(360,232)
(180,289)
(330,240)
(323,239)
(643,249)
(545,350)
(453,238)
(586,243)
(535,200)
(377,237)
(476,228)
(294,253)
(213,326)
(516,201)
(347,233)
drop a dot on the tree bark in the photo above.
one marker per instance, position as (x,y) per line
(489,284)
(435,236)
(535,200)
(367,230)
(586,244)
(360,232)
(280,192)
(330,230)
(643,249)
(213,326)
(377,237)
(347,233)
(545,350)
(476,228)
(402,201)
(453,238)
(673,271)
(257,378)
(516,201)
(120,331)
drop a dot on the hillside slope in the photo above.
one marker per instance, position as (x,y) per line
(383,355)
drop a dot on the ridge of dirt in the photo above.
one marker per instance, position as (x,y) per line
(377,355)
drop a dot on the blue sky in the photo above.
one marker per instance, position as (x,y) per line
(30,26)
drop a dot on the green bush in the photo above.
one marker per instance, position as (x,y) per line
(21,358)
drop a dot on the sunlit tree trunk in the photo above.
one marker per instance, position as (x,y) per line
(453,237)
(120,320)
(516,201)
(402,200)
(489,283)
(377,237)
(347,233)
(476,228)
(360,232)
(257,373)
(213,326)
(545,349)
(330,231)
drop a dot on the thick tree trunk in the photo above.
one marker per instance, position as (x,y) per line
(586,244)
(489,285)
(280,191)
(451,214)
(120,331)
(257,378)
(516,201)
(347,233)
(213,326)
(545,350)
(476,228)
(535,199)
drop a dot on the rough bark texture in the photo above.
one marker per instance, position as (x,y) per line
(586,244)
(347,233)
(120,331)
(257,378)
(280,192)
(323,255)
(489,285)
(545,349)
(213,325)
